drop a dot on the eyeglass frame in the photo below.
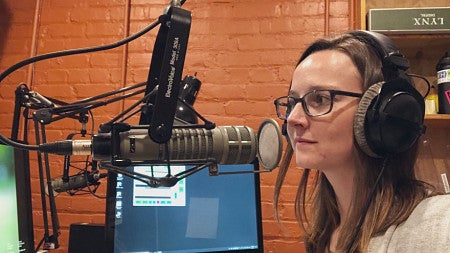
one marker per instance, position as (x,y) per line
(333,93)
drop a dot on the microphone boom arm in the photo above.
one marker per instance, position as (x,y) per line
(167,181)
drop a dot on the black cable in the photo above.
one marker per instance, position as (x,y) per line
(87,101)
(366,207)
(78,51)
(79,108)
(129,109)
(425,79)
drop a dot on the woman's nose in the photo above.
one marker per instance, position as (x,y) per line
(297,115)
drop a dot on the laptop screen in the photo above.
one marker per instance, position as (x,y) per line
(201,213)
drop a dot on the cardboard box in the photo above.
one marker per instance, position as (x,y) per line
(409,20)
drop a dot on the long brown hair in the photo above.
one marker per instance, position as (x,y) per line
(395,196)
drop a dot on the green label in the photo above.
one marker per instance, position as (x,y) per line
(410,20)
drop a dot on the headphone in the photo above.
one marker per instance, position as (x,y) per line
(389,118)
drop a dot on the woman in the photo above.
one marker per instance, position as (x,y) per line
(350,210)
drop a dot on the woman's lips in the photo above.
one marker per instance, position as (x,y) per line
(303,140)
(303,143)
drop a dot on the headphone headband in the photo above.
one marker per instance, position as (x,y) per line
(388,52)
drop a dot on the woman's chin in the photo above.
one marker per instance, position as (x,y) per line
(305,161)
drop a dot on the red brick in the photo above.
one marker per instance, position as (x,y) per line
(244,53)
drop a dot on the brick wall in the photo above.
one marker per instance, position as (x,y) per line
(244,53)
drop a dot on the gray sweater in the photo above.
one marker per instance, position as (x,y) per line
(426,230)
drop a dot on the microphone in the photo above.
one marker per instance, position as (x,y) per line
(75,182)
(223,144)
(39,100)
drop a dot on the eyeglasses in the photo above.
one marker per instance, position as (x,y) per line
(315,103)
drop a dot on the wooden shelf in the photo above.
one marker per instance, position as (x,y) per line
(423,52)
(437,121)
(437,117)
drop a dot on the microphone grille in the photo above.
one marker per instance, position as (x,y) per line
(240,145)
(187,144)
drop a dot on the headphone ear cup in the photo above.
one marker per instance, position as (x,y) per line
(359,126)
(389,118)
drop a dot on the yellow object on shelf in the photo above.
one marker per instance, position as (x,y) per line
(431,102)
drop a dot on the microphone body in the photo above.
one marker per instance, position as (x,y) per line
(223,144)
(39,100)
(76,181)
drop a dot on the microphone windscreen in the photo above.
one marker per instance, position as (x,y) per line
(270,144)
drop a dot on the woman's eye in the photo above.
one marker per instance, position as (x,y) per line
(291,102)
(316,99)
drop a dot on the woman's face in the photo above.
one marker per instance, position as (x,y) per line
(324,142)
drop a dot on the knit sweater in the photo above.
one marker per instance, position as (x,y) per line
(426,230)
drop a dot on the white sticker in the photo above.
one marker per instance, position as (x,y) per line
(445,182)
